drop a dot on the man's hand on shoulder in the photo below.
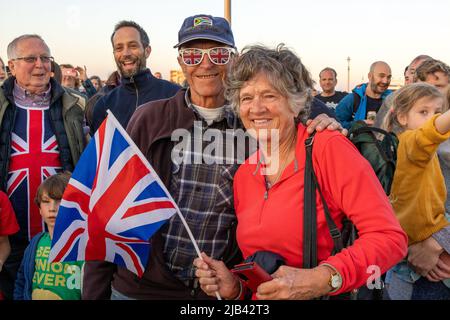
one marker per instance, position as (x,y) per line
(322,122)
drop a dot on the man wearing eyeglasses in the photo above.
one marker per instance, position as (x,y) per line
(202,190)
(131,49)
(41,133)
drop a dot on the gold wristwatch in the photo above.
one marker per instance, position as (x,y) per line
(335,281)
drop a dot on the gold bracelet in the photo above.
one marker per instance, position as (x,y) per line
(238,297)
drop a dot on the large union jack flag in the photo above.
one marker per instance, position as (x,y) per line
(34,157)
(113,204)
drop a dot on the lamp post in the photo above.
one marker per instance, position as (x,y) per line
(348,74)
(227,9)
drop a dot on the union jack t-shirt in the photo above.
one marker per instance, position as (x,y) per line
(34,157)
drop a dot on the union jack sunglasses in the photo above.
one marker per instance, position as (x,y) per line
(194,56)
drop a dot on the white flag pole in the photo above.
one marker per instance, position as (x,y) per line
(193,241)
(149,166)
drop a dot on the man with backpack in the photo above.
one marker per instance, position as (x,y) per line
(357,112)
(409,78)
(366,98)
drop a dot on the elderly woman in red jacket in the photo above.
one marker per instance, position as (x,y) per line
(267,89)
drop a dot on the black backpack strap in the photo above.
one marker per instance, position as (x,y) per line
(370,129)
(310,213)
(356,101)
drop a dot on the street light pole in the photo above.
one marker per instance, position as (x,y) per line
(348,74)
(227,9)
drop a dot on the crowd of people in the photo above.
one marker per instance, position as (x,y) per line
(239,210)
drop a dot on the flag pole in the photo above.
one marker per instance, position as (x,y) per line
(144,160)
(193,240)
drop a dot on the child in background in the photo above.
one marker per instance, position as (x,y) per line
(8,226)
(37,279)
(418,191)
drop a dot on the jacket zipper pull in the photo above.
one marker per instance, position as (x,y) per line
(266,194)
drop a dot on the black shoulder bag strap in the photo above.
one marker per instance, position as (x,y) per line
(310,213)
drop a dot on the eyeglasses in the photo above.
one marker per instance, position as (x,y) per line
(32,59)
(194,56)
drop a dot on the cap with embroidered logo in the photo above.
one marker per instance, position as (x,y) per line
(205,27)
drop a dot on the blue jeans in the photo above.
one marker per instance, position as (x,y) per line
(423,289)
(116,295)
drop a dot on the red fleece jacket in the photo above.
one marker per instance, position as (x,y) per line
(350,188)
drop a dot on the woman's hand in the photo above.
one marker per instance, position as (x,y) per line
(214,277)
(296,284)
(322,122)
(424,256)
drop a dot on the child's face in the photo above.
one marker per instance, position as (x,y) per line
(49,209)
(421,112)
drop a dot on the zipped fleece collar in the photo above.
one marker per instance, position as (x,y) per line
(142,78)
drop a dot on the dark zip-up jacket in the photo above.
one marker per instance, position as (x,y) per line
(131,93)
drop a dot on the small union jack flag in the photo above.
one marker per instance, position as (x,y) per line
(113,204)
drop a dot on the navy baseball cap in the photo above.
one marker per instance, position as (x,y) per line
(205,27)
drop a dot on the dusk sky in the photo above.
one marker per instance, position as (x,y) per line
(323,33)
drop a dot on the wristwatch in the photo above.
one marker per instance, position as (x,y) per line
(335,281)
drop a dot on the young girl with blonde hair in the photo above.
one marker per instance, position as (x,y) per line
(418,191)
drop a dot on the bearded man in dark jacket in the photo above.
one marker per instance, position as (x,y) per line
(131,48)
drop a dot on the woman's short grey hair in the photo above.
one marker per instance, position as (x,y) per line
(12,46)
(283,69)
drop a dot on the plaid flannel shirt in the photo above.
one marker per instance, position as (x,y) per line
(204,194)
